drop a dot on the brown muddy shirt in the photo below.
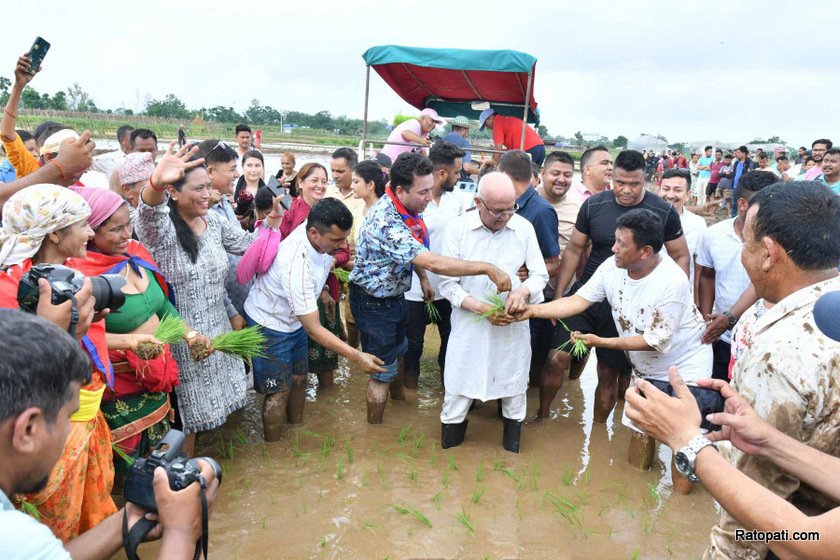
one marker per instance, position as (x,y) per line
(790,374)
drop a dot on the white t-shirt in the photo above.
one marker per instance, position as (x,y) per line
(660,308)
(24,538)
(437,218)
(693,227)
(292,285)
(720,249)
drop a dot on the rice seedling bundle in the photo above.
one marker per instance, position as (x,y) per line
(170,330)
(246,343)
(342,275)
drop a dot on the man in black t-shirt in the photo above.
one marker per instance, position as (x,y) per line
(596,223)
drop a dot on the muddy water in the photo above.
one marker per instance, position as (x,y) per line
(336,487)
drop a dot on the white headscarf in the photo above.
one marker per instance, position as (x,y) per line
(33,213)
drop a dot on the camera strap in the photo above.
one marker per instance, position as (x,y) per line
(132,538)
(74,316)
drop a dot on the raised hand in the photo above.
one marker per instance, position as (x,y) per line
(174,165)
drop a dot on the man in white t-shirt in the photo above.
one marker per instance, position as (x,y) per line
(658,325)
(446,205)
(284,302)
(721,278)
(676,190)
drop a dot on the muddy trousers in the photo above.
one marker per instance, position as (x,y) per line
(455,408)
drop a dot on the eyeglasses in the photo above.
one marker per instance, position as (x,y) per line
(500,213)
(222,144)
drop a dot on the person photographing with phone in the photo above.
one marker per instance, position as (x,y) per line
(650,297)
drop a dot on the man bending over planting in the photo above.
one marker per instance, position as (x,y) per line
(284,301)
(658,325)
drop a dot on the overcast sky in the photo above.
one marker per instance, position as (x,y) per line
(730,71)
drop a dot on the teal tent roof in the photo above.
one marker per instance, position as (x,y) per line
(452,59)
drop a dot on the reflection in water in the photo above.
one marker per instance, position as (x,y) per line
(336,487)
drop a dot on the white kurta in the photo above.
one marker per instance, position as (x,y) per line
(484,361)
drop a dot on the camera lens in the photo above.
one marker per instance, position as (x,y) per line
(107,291)
(217,469)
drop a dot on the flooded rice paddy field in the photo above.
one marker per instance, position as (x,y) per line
(336,487)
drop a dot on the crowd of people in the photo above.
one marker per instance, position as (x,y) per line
(359,259)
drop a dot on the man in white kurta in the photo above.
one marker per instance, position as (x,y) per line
(490,358)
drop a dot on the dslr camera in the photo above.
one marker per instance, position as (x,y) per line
(181,470)
(65,282)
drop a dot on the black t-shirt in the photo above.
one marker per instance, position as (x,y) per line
(597,218)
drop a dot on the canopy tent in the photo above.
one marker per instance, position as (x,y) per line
(647,142)
(457,81)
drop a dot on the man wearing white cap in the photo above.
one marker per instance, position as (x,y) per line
(414,131)
(507,135)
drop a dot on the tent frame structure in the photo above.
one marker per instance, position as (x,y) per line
(463,70)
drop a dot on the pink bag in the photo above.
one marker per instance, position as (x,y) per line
(259,256)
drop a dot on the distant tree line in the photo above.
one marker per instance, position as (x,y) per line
(171,107)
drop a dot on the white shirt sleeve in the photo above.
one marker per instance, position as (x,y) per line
(703,255)
(304,289)
(450,287)
(664,322)
(595,289)
(23,538)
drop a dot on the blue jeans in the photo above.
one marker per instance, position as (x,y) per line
(381,326)
(734,211)
(286,354)
(537,154)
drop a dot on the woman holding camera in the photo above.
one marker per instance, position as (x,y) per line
(190,245)
(47,224)
(138,407)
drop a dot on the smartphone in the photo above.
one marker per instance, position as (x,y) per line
(37,53)
(709,401)
(277,190)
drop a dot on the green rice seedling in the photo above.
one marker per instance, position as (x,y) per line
(478,493)
(654,495)
(240,436)
(568,477)
(432,312)
(452,464)
(339,469)
(262,522)
(583,497)
(437,498)
(464,518)
(404,434)
(514,477)
(305,509)
(308,433)
(170,330)
(407,509)
(565,508)
(479,473)
(273,499)
(246,343)
(348,446)
(412,474)
(129,460)
(326,447)
(534,476)
(578,348)
(586,478)
(418,441)
(497,306)
(342,275)
(30,509)
(433,456)
(323,542)
(368,526)
(446,479)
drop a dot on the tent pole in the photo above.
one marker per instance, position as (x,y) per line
(525,112)
(367,94)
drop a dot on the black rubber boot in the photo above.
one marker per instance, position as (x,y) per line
(452,435)
(512,435)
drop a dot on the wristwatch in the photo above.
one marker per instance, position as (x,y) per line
(732,320)
(686,458)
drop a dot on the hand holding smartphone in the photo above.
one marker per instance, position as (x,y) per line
(37,53)
(709,401)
